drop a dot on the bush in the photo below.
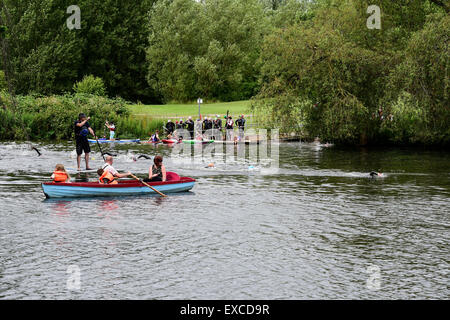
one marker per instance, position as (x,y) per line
(90,85)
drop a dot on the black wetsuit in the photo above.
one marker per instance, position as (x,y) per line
(170,126)
(240,123)
(190,127)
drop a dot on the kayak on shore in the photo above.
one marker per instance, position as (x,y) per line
(123,188)
(170,141)
(198,141)
(114,141)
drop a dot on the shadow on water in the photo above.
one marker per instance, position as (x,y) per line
(157,198)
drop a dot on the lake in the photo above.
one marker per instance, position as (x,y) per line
(317,228)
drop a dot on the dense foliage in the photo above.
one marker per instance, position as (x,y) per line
(332,77)
(48,58)
(53,117)
(312,66)
(90,85)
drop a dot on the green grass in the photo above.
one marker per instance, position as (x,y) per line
(184,110)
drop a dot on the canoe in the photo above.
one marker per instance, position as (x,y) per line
(247,142)
(123,188)
(169,141)
(197,141)
(114,141)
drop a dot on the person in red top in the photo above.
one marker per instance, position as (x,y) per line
(60,175)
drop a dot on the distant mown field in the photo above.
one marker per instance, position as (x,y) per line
(183,110)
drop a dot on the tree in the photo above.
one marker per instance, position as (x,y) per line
(49,58)
(209,49)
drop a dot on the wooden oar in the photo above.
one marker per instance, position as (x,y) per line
(103,155)
(160,193)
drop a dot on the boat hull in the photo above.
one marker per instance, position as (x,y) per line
(124,188)
(197,142)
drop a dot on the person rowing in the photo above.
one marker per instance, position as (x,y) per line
(109,171)
(157,172)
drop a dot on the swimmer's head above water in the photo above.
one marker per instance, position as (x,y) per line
(375,174)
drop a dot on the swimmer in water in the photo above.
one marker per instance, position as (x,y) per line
(375,174)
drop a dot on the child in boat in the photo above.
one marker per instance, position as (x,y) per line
(60,174)
(105,177)
(157,172)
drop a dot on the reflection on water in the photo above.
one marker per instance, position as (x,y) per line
(319,227)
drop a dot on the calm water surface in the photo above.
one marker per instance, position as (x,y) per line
(318,228)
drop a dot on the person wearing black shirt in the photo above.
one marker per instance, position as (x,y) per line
(229,127)
(170,127)
(82,129)
(190,127)
(241,125)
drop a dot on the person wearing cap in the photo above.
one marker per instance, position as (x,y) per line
(82,129)
(170,127)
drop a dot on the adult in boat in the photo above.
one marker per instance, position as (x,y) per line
(82,129)
(108,168)
(170,127)
(155,138)
(112,129)
(190,126)
(157,171)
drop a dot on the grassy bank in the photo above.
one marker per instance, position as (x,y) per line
(185,110)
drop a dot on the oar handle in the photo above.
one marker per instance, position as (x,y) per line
(160,193)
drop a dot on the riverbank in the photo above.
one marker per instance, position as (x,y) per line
(176,110)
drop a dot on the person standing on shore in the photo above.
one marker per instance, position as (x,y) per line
(229,127)
(170,127)
(190,127)
(112,130)
(82,129)
(218,125)
(241,125)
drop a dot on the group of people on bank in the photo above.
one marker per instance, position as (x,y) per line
(207,124)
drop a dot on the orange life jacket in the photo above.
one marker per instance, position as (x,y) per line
(107,175)
(60,176)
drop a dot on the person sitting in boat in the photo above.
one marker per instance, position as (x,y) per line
(105,177)
(157,172)
(108,166)
(112,129)
(155,137)
(60,174)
